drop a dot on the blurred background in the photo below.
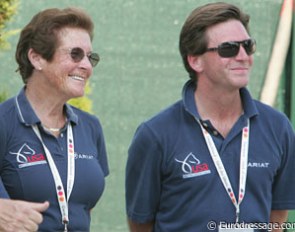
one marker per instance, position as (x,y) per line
(141,71)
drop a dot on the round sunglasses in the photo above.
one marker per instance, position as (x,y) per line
(231,49)
(77,54)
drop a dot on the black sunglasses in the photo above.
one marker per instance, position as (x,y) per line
(77,54)
(231,49)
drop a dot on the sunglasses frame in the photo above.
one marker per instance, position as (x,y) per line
(77,54)
(232,48)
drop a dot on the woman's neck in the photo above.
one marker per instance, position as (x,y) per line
(48,108)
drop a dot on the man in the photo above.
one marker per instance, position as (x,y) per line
(19,215)
(217,156)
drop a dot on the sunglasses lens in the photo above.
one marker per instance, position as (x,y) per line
(77,54)
(228,49)
(231,49)
(249,46)
(94,59)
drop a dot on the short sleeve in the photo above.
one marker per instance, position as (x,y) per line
(3,193)
(143,176)
(2,143)
(102,157)
(284,182)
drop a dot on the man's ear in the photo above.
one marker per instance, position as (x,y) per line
(195,62)
(35,59)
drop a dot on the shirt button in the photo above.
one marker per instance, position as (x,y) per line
(205,124)
(62,135)
(215,133)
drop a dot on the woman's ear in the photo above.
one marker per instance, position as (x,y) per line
(35,59)
(195,63)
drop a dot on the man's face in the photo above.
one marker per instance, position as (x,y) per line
(229,73)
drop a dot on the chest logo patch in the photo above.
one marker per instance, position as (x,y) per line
(192,167)
(26,156)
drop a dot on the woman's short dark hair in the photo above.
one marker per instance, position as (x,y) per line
(193,41)
(41,34)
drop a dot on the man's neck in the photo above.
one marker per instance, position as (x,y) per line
(222,110)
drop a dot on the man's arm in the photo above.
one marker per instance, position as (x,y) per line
(20,215)
(138,227)
(278,216)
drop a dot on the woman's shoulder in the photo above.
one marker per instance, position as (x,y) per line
(82,116)
(6,105)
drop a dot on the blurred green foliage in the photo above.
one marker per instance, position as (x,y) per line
(83,103)
(3,96)
(8,8)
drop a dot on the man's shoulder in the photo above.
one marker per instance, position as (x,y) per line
(164,124)
(270,112)
(272,118)
(166,116)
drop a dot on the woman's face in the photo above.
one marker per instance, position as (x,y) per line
(66,76)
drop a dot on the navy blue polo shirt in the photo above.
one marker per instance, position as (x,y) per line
(3,193)
(171,178)
(26,174)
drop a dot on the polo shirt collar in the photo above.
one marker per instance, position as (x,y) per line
(27,115)
(188,98)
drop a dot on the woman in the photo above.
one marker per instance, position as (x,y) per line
(49,150)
